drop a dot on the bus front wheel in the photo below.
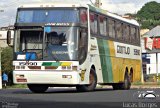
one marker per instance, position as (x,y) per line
(92,83)
(37,88)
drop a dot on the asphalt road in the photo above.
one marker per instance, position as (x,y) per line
(70,98)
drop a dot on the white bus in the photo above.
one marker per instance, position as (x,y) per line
(74,45)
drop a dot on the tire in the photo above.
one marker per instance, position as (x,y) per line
(91,86)
(123,86)
(116,86)
(37,88)
(126,85)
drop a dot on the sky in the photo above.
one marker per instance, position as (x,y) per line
(8,7)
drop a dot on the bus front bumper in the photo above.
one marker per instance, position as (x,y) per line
(46,77)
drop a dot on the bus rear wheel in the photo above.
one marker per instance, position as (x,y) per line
(126,85)
(123,86)
(116,86)
(92,83)
(37,88)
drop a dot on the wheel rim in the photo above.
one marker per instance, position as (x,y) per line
(91,78)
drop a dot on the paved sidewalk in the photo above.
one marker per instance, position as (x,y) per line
(145,86)
(152,86)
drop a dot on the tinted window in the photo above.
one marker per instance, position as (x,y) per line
(83,16)
(133,34)
(47,16)
(126,32)
(111,28)
(102,25)
(119,30)
(93,23)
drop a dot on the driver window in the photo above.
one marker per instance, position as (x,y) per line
(83,39)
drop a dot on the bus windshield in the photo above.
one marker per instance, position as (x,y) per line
(48,16)
(54,43)
(61,43)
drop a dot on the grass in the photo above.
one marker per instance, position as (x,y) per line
(18,86)
(146,83)
(152,78)
(137,83)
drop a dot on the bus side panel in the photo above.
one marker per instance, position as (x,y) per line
(126,56)
(129,63)
(105,59)
(114,65)
(137,74)
(115,62)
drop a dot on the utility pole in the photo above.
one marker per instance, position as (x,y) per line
(98,3)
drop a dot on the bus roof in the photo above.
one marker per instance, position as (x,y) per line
(53,5)
(92,8)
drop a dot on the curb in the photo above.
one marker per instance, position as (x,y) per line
(136,86)
(146,86)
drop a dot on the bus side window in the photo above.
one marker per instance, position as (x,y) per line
(126,32)
(102,25)
(133,34)
(119,31)
(137,36)
(83,16)
(83,42)
(111,28)
(93,23)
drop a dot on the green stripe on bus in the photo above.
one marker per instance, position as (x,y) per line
(105,60)
(108,61)
(51,64)
(102,59)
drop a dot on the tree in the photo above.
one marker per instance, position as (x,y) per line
(149,15)
(150,10)
(7,57)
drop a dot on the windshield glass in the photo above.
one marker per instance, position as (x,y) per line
(54,43)
(61,43)
(47,16)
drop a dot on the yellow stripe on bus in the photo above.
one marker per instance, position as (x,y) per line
(114,61)
(66,64)
(119,65)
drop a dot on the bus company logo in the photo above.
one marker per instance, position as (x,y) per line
(57,24)
(146,95)
(123,49)
(28,63)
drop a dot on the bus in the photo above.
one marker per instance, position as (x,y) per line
(74,45)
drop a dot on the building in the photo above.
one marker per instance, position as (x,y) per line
(150,43)
(143,31)
(3,44)
(3,38)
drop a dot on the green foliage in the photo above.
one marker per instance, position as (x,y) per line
(18,86)
(149,15)
(7,57)
(149,11)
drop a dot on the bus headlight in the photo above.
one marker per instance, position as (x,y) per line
(21,57)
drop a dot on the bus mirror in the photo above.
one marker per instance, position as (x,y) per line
(8,37)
